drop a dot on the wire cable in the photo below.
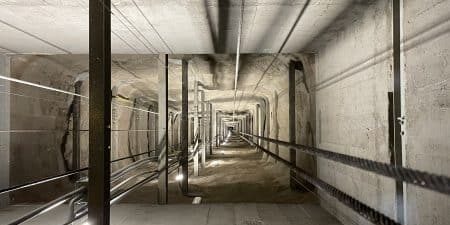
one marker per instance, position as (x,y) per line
(362,209)
(153,27)
(300,15)
(422,179)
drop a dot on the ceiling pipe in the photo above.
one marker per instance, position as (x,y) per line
(238,49)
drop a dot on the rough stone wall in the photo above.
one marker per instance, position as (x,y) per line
(4,125)
(351,100)
(41,118)
(47,150)
(426,26)
(304,126)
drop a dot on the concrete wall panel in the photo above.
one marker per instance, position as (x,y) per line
(426,26)
(351,95)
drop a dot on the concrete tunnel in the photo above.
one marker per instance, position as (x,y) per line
(219,112)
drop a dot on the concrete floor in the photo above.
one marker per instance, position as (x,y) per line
(237,187)
(231,175)
(187,214)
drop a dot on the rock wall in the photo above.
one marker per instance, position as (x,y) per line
(4,126)
(42,145)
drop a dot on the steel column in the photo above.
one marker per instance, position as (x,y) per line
(210,139)
(203,129)
(163,132)
(184,126)
(99,112)
(258,109)
(398,159)
(292,121)
(76,129)
(196,126)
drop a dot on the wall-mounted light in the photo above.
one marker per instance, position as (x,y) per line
(179,177)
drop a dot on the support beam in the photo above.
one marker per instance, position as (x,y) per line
(184,127)
(76,129)
(99,112)
(257,123)
(210,139)
(203,130)
(292,121)
(398,159)
(163,132)
(196,126)
(217,129)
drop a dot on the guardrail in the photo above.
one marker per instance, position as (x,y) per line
(426,180)
(430,181)
(77,195)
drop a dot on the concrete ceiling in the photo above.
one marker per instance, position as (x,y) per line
(168,26)
(192,29)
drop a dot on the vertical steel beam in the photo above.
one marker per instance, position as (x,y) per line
(217,128)
(292,121)
(99,111)
(203,129)
(398,159)
(163,132)
(149,132)
(210,139)
(184,126)
(76,128)
(196,126)
(258,109)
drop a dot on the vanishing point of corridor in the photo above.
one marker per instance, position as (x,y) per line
(224,112)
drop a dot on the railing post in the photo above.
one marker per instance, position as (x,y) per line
(99,111)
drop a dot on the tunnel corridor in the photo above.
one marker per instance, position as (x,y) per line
(224,112)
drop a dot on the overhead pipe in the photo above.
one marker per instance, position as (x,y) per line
(238,49)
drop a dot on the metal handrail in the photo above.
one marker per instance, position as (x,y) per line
(131,156)
(362,209)
(83,211)
(121,172)
(41,181)
(422,179)
(56,177)
(48,206)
